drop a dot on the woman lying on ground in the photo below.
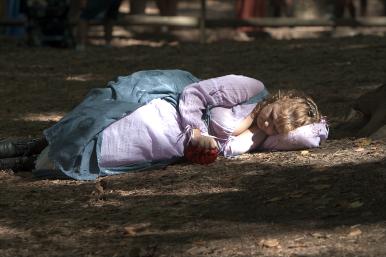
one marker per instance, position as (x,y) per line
(153,118)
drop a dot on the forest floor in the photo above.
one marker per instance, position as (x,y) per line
(328,201)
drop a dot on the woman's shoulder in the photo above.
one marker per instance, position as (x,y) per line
(234,76)
(237,79)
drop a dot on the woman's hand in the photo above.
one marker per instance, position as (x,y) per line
(202,149)
(204,142)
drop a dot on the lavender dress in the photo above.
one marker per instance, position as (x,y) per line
(158,131)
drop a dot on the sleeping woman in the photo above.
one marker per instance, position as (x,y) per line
(153,118)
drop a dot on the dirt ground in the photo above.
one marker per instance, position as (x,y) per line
(328,201)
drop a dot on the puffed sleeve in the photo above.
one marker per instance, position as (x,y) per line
(225,91)
(235,146)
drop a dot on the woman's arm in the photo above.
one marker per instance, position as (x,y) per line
(226,91)
(247,141)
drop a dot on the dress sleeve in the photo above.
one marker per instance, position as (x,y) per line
(247,141)
(226,91)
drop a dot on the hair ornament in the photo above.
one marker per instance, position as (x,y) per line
(313,109)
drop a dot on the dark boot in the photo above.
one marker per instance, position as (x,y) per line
(21,147)
(18,163)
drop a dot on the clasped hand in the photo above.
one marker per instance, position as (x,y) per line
(202,141)
(202,149)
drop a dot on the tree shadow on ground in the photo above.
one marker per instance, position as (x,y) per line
(199,204)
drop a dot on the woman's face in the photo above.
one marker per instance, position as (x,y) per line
(266,120)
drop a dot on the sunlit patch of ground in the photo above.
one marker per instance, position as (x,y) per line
(41,117)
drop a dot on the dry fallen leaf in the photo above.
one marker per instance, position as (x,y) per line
(305,152)
(270,243)
(99,191)
(355,204)
(274,199)
(318,235)
(359,149)
(134,229)
(355,232)
(199,242)
(362,142)
(100,186)
(197,251)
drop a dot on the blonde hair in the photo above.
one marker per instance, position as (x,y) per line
(296,110)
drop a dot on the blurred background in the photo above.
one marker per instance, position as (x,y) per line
(77,23)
